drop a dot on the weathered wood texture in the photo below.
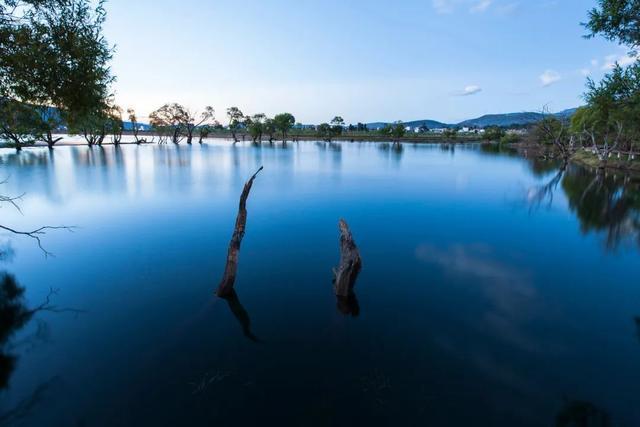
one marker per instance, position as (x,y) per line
(350,262)
(228,279)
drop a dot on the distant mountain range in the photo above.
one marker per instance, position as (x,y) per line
(502,120)
(128,126)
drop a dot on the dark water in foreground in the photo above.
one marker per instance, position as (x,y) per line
(485,297)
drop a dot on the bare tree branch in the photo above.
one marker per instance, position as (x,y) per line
(47,306)
(35,234)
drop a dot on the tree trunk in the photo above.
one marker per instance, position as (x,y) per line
(350,263)
(225,288)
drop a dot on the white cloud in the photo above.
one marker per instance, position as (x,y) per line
(585,72)
(623,60)
(469,90)
(481,6)
(502,7)
(443,6)
(508,8)
(549,77)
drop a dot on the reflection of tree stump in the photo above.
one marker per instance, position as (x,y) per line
(228,279)
(241,314)
(350,263)
(348,305)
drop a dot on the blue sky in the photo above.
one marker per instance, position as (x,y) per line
(447,60)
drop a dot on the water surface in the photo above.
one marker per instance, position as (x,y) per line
(495,290)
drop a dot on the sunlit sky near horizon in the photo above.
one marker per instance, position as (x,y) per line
(447,60)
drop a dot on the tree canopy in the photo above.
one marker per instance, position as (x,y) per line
(613,104)
(54,54)
(283,123)
(616,20)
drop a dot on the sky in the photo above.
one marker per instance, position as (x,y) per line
(367,61)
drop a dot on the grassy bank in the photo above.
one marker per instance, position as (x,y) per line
(585,158)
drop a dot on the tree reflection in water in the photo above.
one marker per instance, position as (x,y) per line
(582,414)
(348,305)
(604,202)
(14,315)
(240,314)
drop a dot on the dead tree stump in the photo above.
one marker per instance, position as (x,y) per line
(225,288)
(350,263)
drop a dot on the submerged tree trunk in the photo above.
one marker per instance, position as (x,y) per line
(225,288)
(350,263)
(50,140)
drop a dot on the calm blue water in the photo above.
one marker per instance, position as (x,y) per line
(483,300)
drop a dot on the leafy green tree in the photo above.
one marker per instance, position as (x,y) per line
(54,54)
(192,121)
(451,133)
(493,133)
(135,127)
(510,138)
(337,126)
(235,121)
(51,122)
(398,130)
(323,131)
(613,105)
(617,21)
(170,119)
(395,130)
(283,123)
(20,124)
(255,126)
(556,133)
(203,132)
(269,128)
(115,125)
(92,127)
(361,127)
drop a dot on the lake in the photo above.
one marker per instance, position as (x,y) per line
(495,290)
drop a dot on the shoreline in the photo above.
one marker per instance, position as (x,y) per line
(292,139)
(581,157)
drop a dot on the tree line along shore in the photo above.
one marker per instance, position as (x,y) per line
(49,82)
